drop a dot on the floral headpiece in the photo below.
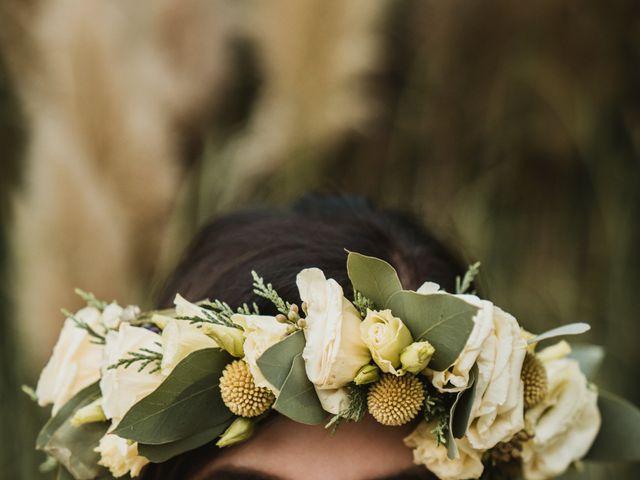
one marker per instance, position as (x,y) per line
(129,388)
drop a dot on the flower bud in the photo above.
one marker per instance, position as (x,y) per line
(367,374)
(91,413)
(416,356)
(228,338)
(282,318)
(240,430)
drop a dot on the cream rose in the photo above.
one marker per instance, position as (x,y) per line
(120,456)
(334,351)
(498,410)
(260,332)
(426,452)
(75,363)
(179,339)
(386,337)
(565,424)
(123,387)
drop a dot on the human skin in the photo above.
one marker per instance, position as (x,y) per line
(285,450)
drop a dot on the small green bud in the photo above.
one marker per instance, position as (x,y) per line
(240,430)
(91,413)
(416,357)
(367,374)
(228,338)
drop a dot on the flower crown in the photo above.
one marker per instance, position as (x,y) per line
(129,388)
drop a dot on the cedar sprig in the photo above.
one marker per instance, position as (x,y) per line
(362,303)
(355,410)
(144,356)
(90,299)
(267,291)
(462,286)
(97,336)
(436,407)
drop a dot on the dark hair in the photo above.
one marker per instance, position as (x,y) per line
(315,232)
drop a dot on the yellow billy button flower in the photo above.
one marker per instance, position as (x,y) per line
(240,430)
(394,401)
(367,374)
(534,378)
(240,393)
(386,337)
(416,357)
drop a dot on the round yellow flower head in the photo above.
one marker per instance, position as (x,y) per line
(535,381)
(240,393)
(395,400)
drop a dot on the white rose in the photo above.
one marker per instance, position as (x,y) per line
(334,351)
(179,339)
(426,452)
(227,338)
(120,456)
(386,337)
(498,410)
(334,401)
(565,424)
(123,387)
(260,332)
(75,362)
(112,316)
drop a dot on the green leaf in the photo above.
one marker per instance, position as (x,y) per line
(298,399)
(188,402)
(619,436)
(164,452)
(275,363)
(442,319)
(373,278)
(564,330)
(461,408)
(73,446)
(589,357)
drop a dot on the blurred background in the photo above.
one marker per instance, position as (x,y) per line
(512,129)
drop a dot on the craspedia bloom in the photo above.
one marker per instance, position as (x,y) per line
(534,377)
(240,393)
(394,401)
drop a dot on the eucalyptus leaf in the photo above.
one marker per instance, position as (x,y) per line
(186,403)
(589,357)
(619,436)
(442,319)
(373,278)
(298,399)
(461,408)
(570,329)
(275,363)
(73,446)
(166,451)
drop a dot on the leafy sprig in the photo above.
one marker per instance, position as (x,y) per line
(463,285)
(355,410)
(268,292)
(144,356)
(90,299)
(98,337)
(362,303)
(437,407)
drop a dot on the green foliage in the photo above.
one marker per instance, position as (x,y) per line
(373,278)
(144,356)
(356,409)
(267,291)
(462,286)
(362,303)
(166,451)
(72,446)
(186,403)
(619,437)
(437,407)
(90,299)
(443,320)
(282,365)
